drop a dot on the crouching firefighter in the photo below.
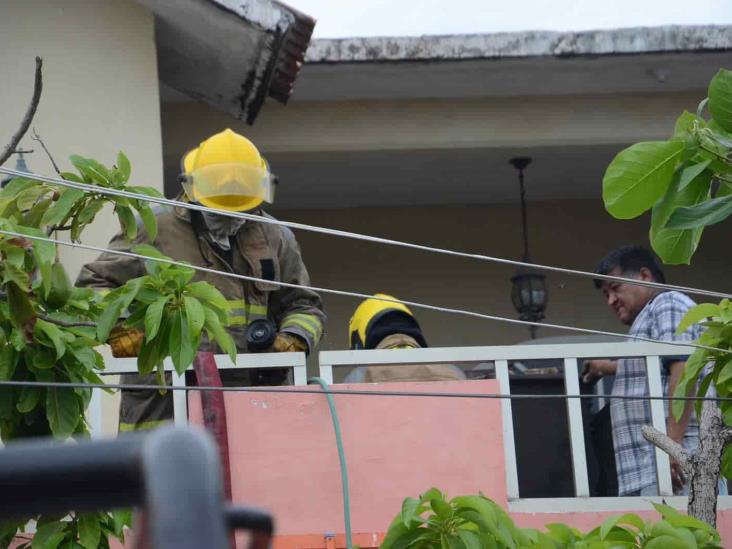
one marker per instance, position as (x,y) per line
(225,172)
(378,324)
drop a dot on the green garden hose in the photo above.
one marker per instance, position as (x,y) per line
(341,457)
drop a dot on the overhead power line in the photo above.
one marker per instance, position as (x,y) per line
(295,389)
(360,295)
(356,236)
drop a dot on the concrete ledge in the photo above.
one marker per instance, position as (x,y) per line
(637,40)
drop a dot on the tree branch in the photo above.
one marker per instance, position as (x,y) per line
(67,324)
(668,445)
(726,435)
(37,137)
(29,114)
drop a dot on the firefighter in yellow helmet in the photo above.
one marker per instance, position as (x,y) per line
(225,172)
(379,324)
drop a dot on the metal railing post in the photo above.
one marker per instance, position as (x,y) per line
(509,444)
(658,419)
(576,430)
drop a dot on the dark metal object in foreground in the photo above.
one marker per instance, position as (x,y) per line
(173,474)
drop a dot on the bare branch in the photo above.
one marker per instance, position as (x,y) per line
(29,114)
(668,445)
(37,137)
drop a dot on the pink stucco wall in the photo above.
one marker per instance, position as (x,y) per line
(284,458)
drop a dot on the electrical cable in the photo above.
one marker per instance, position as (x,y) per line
(359,295)
(357,236)
(294,390)
(341,457)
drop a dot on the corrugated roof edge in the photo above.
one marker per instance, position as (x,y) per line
(638,40)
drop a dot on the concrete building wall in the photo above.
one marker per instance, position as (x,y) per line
(100,96)
(100,90)
(572,234)
(527,121)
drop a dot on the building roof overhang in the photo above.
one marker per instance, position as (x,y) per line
(230,54)
(631,60)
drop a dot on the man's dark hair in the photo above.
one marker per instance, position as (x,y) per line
(630,260)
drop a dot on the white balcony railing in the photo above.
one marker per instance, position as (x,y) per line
(571,355)
(118,366)
(500,357)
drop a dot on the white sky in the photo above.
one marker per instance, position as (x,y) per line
(347,18)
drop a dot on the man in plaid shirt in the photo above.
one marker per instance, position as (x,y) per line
(650,313)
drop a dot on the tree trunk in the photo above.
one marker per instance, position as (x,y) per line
(701,467)
(705,464)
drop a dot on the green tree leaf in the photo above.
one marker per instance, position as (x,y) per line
(693,367)
(90,532)
(16,186)
(696,314)
(638,176)
(147,191)
(149,221)
(666,542)
(40,358)
(410,511)
(469,539)
(196,315)
(28,197)
(721,138)
(45,254)
(612,522)
(29,398)
(14,255)
(120,519)
(92,170)
(8,362)
(49,536)
(126,220)
(685,123)
(154,316)
(62,207)
(124,166)
(218,334)
(432,493)
(114,303)
(14,274)
(210,296)
(90,210)
(52,334)
(441,508)
(708,213)
(87,357)
(62,411)
(153,267)
(720,99)
(35,214)
(181,342)
(21,310)
(60,291)
(152,352)
(692,172)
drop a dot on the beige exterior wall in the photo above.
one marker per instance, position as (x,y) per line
(425,124)
(100,95)
(100,90)
(572,234)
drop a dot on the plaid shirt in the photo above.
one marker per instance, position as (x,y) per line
(634,456)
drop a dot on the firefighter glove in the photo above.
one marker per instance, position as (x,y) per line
(125,342)
(289,343)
